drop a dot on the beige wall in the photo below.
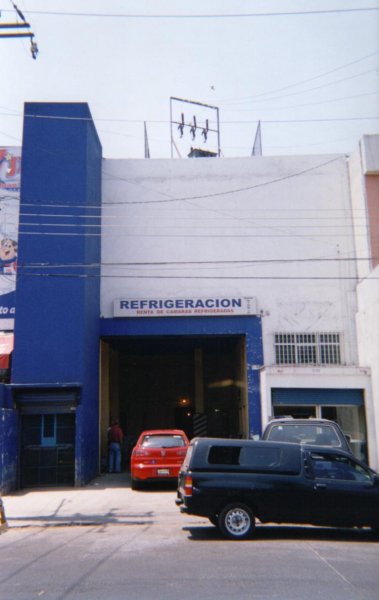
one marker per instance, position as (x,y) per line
(372,194)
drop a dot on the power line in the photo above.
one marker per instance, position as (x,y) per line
(190,218)
(263,94)
(349,211)
(165,122)
(341,98)
(253,262)
(203,16)
(194,236)
(327,120)
(282,89)
(198,197)
(207,277)
(113,221)
(233,191)
(249,221)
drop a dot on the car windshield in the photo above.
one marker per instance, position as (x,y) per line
(320,435)
(162,441)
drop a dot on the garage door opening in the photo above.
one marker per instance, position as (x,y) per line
(197,384)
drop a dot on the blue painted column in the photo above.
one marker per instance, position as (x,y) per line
(58,281)
(8,449)
(254,363)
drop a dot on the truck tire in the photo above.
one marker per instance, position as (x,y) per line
(236,521)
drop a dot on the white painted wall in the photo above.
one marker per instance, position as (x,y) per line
(368,347)
(365,161)
(275,228)
(370,154)
(359,212)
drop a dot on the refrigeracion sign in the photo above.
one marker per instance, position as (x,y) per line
(184,307)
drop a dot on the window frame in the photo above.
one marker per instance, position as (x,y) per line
(308,348)
(328,457)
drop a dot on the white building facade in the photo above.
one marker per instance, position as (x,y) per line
(278,236)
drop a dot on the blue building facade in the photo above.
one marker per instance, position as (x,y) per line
(51,416)
(55,360)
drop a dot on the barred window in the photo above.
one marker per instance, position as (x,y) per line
(307,349)
(330,352)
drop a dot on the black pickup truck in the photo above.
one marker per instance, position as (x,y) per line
(233,482)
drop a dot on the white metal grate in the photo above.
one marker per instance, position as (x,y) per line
(307,349)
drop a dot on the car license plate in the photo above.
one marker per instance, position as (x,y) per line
(163,471)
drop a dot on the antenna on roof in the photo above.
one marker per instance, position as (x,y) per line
(257,146)
(206,122)
(147,149)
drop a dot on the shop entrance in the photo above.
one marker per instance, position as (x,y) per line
(47,450)
(192,383)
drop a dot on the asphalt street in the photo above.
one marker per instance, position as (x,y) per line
(106,541)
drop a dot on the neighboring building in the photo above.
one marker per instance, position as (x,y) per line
(364,177)
(201,294)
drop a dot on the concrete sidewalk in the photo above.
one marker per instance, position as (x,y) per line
(108,499)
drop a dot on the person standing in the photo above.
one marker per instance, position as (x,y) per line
(115,439)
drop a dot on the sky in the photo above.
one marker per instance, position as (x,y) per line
(307,70)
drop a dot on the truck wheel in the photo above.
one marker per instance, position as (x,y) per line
(236,521)
(135,484)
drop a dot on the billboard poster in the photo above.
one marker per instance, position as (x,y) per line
(10,181)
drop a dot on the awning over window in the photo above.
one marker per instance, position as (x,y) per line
(316,396)
(6,347)
(47,399)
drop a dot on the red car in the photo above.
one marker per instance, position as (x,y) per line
(158,455)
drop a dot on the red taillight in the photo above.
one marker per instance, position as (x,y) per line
(188,485)
(141,453)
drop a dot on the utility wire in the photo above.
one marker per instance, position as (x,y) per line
(349,211)
(207,277)
(265,108)
(248,223)
(253,262)
(224,218)
(287,87)
(203,16)
(193,236)
(233,191)
(197,197)
(165,122)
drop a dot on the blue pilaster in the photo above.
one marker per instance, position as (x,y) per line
(58,281)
